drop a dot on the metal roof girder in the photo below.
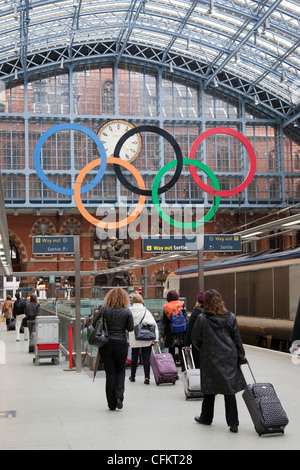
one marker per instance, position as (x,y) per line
(243,41)
(278,62)
(181,27)
(130,28)
(242,28)
(291,119)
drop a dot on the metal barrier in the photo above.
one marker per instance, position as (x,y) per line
(65,310)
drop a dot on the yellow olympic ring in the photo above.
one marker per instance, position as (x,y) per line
(89,217)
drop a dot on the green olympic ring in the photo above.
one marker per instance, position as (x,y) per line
(161,212)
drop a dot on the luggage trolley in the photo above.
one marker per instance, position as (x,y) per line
(47,339)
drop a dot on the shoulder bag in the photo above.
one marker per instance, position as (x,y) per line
(99,337)
(144,332)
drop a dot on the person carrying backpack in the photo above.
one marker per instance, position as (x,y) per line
(174,323)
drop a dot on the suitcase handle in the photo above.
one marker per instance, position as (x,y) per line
(189,353)
(251,371)
(153,349)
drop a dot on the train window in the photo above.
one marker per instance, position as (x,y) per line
(242,296)
(281,293)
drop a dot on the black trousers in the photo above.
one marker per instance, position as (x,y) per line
(231,412)
(145,353)
(172,351)
(114,357)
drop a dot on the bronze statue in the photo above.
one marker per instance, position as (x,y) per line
(115,252)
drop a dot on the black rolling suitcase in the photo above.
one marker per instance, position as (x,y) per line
(265,409)
(32,342)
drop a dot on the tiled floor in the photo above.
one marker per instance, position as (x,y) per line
(50,407)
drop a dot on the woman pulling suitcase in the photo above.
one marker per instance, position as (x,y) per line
(221,352)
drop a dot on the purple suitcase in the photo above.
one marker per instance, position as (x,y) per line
(163,367)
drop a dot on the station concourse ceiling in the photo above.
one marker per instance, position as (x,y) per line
(246,48)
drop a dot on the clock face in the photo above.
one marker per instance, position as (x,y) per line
(112,131)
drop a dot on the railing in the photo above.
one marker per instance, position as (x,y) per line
(65,310)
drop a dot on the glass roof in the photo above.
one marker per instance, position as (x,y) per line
(248,48)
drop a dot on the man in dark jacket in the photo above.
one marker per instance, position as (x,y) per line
(19,314)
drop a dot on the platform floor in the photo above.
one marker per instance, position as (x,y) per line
(49,407)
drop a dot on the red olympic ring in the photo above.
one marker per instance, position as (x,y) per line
(245,142)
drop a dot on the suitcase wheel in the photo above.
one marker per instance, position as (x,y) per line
(36,361)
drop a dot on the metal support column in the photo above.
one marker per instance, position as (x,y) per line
(77,304)
(200,270)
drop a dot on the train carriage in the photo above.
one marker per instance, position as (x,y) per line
(261,288)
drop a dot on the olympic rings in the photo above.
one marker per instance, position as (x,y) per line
(241,138)
(141,190)
(177,223)
(89,217)
(76,127)
(155,130)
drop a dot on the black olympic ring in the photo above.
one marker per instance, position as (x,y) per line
(166,135)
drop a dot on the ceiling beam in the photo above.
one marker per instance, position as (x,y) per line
(242,42)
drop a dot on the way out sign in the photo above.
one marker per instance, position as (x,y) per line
(50,245)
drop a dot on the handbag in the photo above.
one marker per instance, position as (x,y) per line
(5,310)
(144,332)
(24,322)
(99,337)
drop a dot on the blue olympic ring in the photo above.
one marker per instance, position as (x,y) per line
(76,127)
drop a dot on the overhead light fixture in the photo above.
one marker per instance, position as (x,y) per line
(216,84)
(171,68)
(16,74)
(256,100)
(237,58)
(289,229)
(283,77)
(251,234)
(212,7)
(188,43)
(266,26)
(291,223)
(15,11)
(62,63)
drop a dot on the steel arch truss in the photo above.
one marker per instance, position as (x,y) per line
(249,48)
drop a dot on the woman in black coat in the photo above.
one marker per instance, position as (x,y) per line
(119,320)
(221,353)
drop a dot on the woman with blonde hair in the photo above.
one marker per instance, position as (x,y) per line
(221,352)
(119,320)
(141,314)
